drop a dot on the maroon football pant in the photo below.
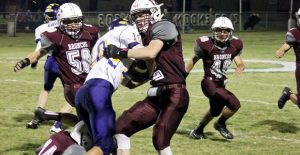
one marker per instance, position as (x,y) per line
(70,92)
(297,75)
(165,112)
(219,96)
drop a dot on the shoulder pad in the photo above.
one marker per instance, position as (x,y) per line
(204,38)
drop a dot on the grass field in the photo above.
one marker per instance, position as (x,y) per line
(259,126)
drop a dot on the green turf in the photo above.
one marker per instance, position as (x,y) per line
(259,126)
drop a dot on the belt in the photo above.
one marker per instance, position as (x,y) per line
(170,86)
(213,79)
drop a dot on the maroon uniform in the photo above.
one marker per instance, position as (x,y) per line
(293,39)
(56,144)
(72,55)
(216,61)
(168,106)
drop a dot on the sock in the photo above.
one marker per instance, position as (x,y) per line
(48,115)
(200,128)
(57,124)
(166,151)
(222,120)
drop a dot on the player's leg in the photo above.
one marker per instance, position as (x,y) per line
(56,127)
(209,89)
(51,73)
(287,94)
(173,104)
(94,106)
(140,116)
(232,106)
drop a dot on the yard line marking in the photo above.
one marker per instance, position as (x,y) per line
(21,81)
(287,66)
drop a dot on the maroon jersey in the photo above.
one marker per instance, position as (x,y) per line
(72,55)
(169,61)
(293,39)
(56,144)
(216,60)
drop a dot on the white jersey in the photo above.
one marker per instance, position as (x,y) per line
(42,28)
(113,70)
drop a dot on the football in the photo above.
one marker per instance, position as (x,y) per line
(138,71)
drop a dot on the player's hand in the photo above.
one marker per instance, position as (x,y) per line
(238,71)
(112,51)
(279,54)
(21,64)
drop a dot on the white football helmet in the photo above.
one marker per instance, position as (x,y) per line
(145,12)
(81,135)
(222,23)
(70,19)
(297,14)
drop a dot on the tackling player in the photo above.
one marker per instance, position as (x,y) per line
(70,44)
(51,71)
(217,53)
(167,99)
(292,40)
(93,100)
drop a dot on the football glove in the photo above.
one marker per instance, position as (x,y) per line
(112,51)
(21,64)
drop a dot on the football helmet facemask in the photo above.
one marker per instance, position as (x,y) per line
(70,19)
(222,29)
(145,12)
(81,135)
(297,14)
(51,12)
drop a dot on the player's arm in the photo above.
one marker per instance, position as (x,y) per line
(31,58)
(190,64)
(289,41)
(148,52)
(239,65)
(282,50)
(164,33)
(199,53)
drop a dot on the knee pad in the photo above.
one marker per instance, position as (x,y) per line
(123,141)
(48,86)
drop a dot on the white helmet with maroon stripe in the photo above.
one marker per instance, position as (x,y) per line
(70,19)
(298,17)
(81,135)
(144,12)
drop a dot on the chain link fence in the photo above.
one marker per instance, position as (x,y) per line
(191,21)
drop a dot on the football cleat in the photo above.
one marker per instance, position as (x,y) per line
(223,130)
(284,97)
(196,135)
(55,129)
(33,124)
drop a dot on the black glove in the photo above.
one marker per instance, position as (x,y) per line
(112,51)
(21,64)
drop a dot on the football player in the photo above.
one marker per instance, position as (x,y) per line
(70,45)
(168,99)
(93,100)
(292,40)
(50,68)
(217,53)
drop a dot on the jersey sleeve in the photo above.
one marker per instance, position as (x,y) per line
(290,39)
(131,38)
(165,31)
(47,45)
